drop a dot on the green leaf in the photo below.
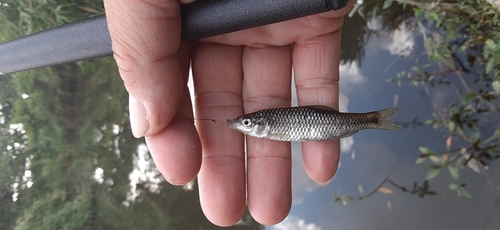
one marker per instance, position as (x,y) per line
(420,160)
(424,149)
(437,125)
(431,78)
(417,11)
(453,186)
(361,13)
(468,96)
(442,161)
(496,86)
(375,12)
(433,173)
(453,108)
(449,62)
(489,66)
(474,138)
(434,16)
(435,159)
(451,126)
(460,190)
(464,193)
(496,56)
(387,4)
(472,164)
(360,189)
(490,44)
(416,69)
(454,172)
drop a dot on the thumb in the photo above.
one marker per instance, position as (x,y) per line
(146,37)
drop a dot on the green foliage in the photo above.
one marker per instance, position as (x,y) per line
(62,111)
(467,51)
(464,49)
(12,154)
(460,189)
(22,17)
(57,210)
(419,190)
(60,125)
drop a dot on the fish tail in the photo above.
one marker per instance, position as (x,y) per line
(385,119)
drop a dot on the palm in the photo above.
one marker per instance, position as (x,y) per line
(251,70)
(284,33)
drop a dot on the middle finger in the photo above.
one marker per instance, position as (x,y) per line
(266,84)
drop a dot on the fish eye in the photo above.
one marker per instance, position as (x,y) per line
(246,121)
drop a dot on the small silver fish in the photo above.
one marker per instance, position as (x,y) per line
(310,123)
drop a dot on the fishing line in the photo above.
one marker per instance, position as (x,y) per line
(201,119)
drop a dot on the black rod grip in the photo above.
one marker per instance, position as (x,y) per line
(89,38)
(208,18)
(80,40)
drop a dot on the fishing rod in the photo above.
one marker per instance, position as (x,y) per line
(89,38)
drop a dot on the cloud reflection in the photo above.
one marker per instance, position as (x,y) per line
(399,42)
(295,223)
(402,42)
(351,78)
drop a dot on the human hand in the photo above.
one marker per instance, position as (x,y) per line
(233,74)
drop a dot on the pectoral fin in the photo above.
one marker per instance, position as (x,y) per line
(348,134)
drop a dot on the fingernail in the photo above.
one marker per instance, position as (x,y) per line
(324,183)
(138,117)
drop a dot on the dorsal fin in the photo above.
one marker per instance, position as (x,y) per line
(322,107)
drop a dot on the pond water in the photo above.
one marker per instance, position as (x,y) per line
(370,157)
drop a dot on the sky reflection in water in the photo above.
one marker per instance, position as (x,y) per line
(371,156)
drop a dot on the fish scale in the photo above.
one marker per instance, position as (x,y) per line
(310,123)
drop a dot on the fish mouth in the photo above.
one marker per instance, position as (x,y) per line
(230,123)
